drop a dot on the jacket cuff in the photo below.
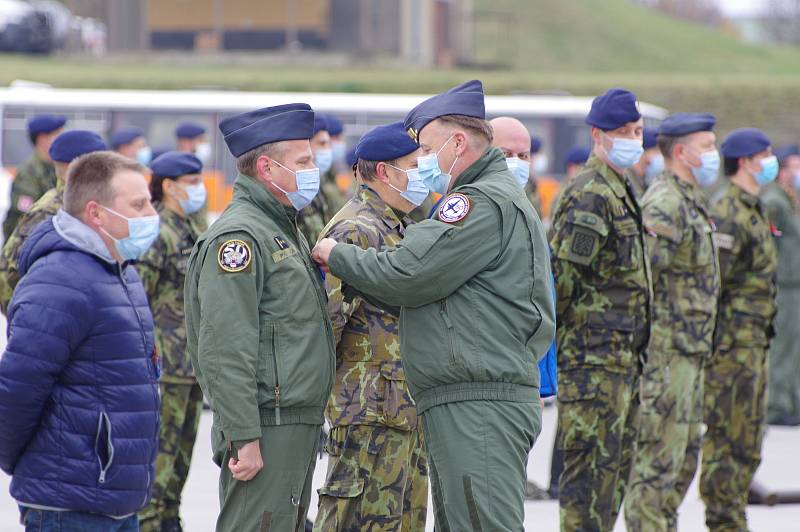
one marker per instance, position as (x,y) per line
(242,435)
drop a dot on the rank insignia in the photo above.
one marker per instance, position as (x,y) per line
(282,244)
(234,256)
(454,208)
(413,134)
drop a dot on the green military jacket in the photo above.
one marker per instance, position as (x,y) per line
(474,289)
(370,386)
(257,326)
(45,207)
(784,213)
(34,177)
(685,270)
(748,261)
(163,272)
(312,219)
(603,284)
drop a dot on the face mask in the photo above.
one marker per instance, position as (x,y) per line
(203,152)
(540,163)
(708,171)
(307,186)
(654,167)
(431,174)
(144,155)
(519,169)
(416,191)
(624,153)
(339,151)
(142,232)
(796,180)
(197,198)
(323,160)
(769,170)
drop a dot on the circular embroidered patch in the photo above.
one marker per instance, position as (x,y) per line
(454,208)
(234,256)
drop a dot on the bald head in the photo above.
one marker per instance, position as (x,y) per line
(512,137)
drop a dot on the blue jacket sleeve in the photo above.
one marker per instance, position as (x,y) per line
(45,323)
(548,367)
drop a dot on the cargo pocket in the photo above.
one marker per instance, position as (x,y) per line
(338,503)
(578,416)
(103,446)
(397,407)
(425,238)
(629,253)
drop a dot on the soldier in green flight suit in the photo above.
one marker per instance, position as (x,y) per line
(37,175)
(177,190)
(736,376)
(65,148)
(474,288)
(604,297)
(258,332)
(686,286)
(377,470)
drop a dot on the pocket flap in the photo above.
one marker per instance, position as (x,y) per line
(420,238)
(343,489)
(393,371)
(589,220)
(611,320)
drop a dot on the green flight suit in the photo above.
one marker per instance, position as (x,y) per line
(476,315)
(262,348)
(34,177)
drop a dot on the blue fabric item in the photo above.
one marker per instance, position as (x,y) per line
(175,164)
(125,135)
(51,521)
(577,155)
(74,143)
(45,124)
(189,130)
(681,124)
(385,143)
(351,157)
(548,366)
(79,399)
(536,144)
(465,100)
(320,123)
(158,151)
(335,126)
(784,152)
(649,138)
(613,109)
(744,142)
(243,132)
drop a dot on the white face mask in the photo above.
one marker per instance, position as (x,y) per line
(540,164)
(203,152)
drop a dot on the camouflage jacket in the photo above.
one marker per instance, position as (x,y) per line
(784,213)
(163,270)
(34,177)
(532,193)
(684,265)
(748,261)
(370,386)
(312,219)
(45,207)
(603,285)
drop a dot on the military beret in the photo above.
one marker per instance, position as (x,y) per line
(577,155)
(351,157)
(649,138)
(320,123)
(681,124)
(45,124)
(744,142)
(70,145)
(385,143)
(189,130)
(335,126)
(613,109)
(160,150)
(243,132)
(465,100)
(784,152)
(536,144)
(175,164)
(124,136)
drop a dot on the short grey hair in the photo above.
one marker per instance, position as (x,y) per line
(246,163)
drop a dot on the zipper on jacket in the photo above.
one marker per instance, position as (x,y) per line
(450,331)
(104,419)
(277,388)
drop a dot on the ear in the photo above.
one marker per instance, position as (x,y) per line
(461,142)
(91,213)
(263,167)
(382,172)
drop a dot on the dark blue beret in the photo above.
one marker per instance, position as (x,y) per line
(160,150)
(744,143)
(70,145)
(335,126)
(175,164)
(784,152)
(320,123)
(649,138)
(577,155)
(613,109)
(243,132)
(125,135)
(536,144)
(681,124)
(465,100)
(189,130)
(351,157)
(385,143)
(45,124)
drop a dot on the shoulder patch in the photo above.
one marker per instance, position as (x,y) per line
(234,256)
(723,241)
(454,208)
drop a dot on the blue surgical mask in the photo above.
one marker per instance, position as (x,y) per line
(624,153)
(203,152)
(323,160)
(796,180)
(654,167)
(142,232)
(431,173)
(520,169)
(197,198)
(144,155)
(708,171)
(339,151)
(307,186)
(769,170)
(416,191)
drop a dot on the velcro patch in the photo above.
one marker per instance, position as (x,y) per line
(283,254)
(234,256)
(583,244)
(723,241)
(454,208)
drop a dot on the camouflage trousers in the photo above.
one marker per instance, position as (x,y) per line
(668,446)
(735,414)
(181,407)
(377,480)
(598,413)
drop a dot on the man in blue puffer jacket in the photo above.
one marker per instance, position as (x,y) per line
(78,392)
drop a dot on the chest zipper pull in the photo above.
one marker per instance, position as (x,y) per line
(278,404)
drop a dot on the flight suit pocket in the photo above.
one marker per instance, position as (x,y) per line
(422,240)
(267,376)
(578,416)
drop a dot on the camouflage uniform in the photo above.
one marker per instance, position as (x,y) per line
(163,269)
(603,291)
(377,471)
(312,219)
(686,287)
(736,376)
(532,193)
(34,177)
(45,207)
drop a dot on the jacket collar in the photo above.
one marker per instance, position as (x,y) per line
(248,189)
(618,183)
(491,161)
(382,210)
(81,236)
